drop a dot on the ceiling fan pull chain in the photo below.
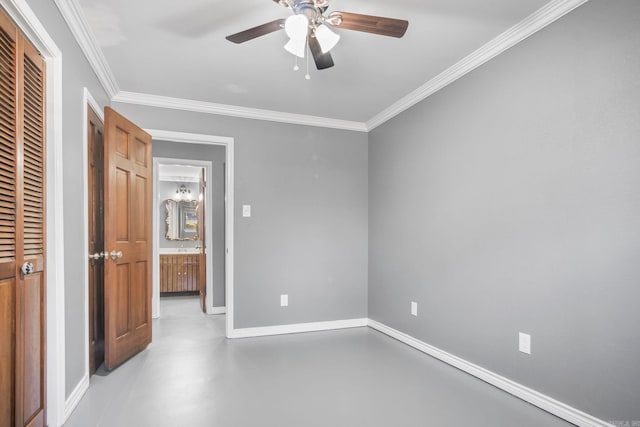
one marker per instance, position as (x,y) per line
(295,67)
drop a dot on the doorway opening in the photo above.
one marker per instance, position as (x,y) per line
(95,228)
(184,231)
(185,210)
(180,141)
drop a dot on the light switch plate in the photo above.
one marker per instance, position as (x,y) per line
(524,343)
(414,308)
(284,300)
(246,211)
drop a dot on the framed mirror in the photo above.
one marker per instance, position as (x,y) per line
(182,219)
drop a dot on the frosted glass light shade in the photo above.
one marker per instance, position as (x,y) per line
(326,38)
(297,27)
(296,47)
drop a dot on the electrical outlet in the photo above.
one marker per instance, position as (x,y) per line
(414,308)
(524,343)
(284,300)
(246,211)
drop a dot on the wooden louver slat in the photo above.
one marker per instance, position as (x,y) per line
(33,195)
(7,148)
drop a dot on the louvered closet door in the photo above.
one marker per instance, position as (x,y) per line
(8,112)
(22,232)
(30,228)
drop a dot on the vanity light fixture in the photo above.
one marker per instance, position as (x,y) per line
(183,193)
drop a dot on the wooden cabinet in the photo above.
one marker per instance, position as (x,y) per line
(179,273)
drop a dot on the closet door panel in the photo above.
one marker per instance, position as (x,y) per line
(30,327)
(32,332)
(7,363)
(8,136)
(22,231)
(8,132)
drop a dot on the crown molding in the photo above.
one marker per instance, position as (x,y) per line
(514,35)
(235,111)
(189,138)
(73,15)
(78,25)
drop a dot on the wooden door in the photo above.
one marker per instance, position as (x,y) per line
(128,195)
(22,230)
(8,187)
(95,139)
(202,258)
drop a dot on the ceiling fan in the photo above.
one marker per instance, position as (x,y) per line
(309,26)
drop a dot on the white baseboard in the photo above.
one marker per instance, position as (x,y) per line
(540,400)
(298,328)
(75,397)
(218,310)
(531,396)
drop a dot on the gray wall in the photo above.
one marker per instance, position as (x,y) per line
(308,233)
(76,74)
(509,201)
(216,155)
(167,190)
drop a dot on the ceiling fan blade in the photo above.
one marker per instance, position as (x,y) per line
(369,24)
(322,60)
(255,32)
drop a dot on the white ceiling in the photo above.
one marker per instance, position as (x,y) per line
(178,49)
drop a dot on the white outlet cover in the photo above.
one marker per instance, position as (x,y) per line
(284,300)
(524,343)
(246,211)
(414,308)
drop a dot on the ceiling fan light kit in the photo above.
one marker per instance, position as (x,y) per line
(309,26)
(327,38)
(297,27)
(296,47)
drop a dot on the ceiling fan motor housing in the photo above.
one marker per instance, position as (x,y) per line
(307,8)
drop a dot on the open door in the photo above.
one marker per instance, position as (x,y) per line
(202,272)
(127,238)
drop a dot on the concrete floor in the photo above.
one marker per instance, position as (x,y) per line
(193,376)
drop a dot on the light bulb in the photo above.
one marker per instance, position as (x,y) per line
(326,38)
(297,27)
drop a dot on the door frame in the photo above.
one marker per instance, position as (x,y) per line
(88,101)
(208,200)
(30,25)
(228,143)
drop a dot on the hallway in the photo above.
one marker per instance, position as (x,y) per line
(191,375)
